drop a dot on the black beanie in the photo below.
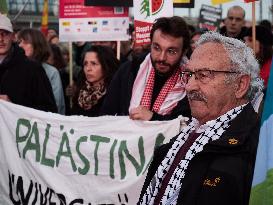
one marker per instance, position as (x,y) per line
(263,35)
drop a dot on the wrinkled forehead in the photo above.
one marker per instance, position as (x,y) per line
(209,55)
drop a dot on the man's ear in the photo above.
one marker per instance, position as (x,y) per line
(242,86)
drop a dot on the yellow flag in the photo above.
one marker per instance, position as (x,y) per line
(44,26)
(215,2)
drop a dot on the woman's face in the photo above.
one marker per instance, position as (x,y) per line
(92,68)
(249,43)
(28,48)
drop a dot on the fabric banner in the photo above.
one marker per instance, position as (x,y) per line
(262,186)
(47,158)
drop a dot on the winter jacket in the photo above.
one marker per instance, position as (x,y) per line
(240,36)
(25,82)
(222,173)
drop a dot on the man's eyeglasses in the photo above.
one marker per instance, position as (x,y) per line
(204,76)
(4,34)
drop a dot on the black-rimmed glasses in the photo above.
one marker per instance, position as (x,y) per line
(204,76)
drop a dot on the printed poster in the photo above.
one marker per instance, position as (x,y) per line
(210,17)
(89,23)
(145,12)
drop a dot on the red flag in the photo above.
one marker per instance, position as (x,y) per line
(44,26)
(248,1)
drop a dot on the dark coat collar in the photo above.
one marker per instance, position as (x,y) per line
(239,130)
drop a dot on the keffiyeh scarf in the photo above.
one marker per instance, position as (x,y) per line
(89,95)
(214,130)
(171,93)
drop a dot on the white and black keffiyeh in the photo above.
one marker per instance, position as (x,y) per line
(214,130)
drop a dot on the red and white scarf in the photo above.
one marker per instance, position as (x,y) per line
(171,93)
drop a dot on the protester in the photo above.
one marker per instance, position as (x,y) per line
(51,32)
(136,50)
(54,39)
(57,60)
(195,37)
(37,48)
(212,160)
(79,48)
(234,23)
(99,65)
(266,23)
(263,49)
(150,88)
(22,81)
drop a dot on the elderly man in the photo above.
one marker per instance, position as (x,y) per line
(234,23)
(22,81)
(150,88)
(211,161)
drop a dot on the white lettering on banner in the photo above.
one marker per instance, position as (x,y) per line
(47,158)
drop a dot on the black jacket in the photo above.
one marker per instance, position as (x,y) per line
(25,82)
(240,36)
(231,162)
(93,112)
(119,93)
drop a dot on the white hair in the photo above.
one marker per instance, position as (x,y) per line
(241,57)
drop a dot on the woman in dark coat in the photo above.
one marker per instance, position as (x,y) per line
(99,66)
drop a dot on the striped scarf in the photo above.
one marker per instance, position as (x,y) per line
(171,93)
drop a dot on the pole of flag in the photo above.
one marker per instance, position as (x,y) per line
(118,49)
(70,68)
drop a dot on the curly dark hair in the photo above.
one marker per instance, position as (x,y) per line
(174,26)
(107,59)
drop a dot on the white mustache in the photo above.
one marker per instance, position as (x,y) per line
(193,95)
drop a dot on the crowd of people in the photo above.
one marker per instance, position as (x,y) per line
(211,77)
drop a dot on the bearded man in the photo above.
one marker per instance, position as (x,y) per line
(150,88)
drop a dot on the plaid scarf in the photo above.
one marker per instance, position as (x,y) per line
(214,130)
(171,93)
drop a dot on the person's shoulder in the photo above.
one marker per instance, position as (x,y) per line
(29,64)
(223,30)
(243,33)
(50,67)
